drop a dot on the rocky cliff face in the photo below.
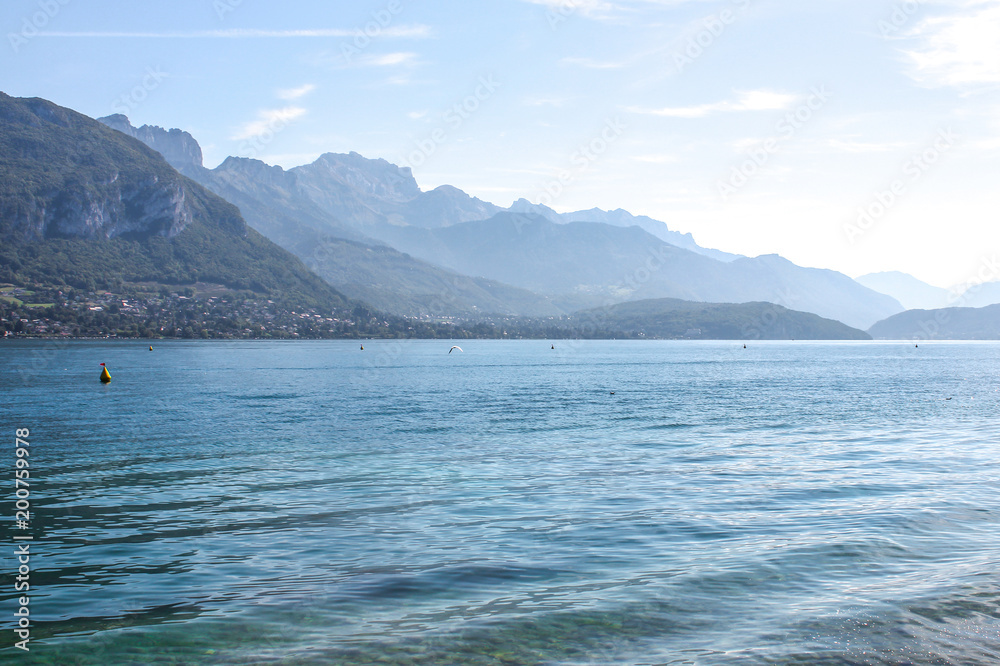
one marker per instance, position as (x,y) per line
(136,210)
(248,174)
(63,178)
(447,205)
(179,148)
(143,209)
(366,179)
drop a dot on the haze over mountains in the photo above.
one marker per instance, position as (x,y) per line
(450,253)
(981,323)
(83,205)
(908,290)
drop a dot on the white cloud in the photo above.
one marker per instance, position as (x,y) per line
(268,120)
(413,31)
(753,100)
(591,64)
(295,93)
(544,101)
(590,8)
(338,60)
(602,9)
(397,80)
(962,49)
(656,159)
(387,59)
(852,146)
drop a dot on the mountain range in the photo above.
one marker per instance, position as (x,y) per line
(942,324)
(93,205)
(908,290)
(102,215)
(86,206)
(669,318)
(367,228)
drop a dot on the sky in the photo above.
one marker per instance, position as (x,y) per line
(854,135)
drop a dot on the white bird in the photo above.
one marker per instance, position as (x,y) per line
(454,348)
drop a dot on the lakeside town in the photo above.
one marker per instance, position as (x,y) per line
(214,312)
(165,312)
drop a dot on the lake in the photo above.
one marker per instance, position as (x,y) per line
(605,502)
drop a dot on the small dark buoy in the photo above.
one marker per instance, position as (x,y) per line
(105,375)
(553,346)
(744,346)
(362,347)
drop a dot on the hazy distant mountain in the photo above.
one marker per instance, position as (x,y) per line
(909,291)
(828,293)
(374,193)
(370,194)
(593,264)
(917,295)
(943,324)
(577,259)
(271,202)
(608,264)
(622,218)
(360,267)
(86,206)
(979,296)
(674,319)
(396,282)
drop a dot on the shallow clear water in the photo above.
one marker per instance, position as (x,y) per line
(307,502)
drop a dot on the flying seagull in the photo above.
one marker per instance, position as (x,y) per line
(454,348)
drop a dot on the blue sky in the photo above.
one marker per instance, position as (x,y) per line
(857,135)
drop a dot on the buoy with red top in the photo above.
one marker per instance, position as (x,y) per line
(105,375)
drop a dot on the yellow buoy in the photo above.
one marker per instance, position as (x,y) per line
(150,347)
(105,375)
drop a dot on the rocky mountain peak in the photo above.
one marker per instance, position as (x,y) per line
(179,148)
(376,179)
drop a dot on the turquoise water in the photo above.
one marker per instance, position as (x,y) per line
(310,503)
